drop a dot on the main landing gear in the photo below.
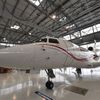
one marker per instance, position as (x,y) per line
(78,70)
(49,84)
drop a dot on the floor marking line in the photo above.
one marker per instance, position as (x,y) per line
(43,95)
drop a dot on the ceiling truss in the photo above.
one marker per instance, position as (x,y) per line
(70,16)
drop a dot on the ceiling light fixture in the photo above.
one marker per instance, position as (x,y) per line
(15,27)
(80,38)
(5,40)
(30,33)
(70,26)
(36,2)
(54,16)
(19,41)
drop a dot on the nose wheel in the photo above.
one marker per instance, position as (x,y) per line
(49,84)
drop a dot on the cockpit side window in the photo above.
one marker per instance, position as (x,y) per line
(53,41)
(44,40)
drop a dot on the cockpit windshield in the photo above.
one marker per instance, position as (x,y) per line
(44,40)
(53,41)
(49,40)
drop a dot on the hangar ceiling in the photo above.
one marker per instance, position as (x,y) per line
(26,21)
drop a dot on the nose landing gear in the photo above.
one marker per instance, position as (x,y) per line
(49,84)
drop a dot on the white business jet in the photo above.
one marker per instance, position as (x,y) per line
(48,54)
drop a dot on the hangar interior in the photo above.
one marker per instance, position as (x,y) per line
(27,21)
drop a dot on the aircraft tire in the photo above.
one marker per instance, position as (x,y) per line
(49,85)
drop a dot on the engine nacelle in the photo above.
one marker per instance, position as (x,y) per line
(90,48)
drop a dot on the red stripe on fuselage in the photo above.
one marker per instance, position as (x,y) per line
(58,47)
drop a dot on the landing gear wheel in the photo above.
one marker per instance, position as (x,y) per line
(49,85)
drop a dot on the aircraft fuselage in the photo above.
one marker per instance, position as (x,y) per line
(44,55)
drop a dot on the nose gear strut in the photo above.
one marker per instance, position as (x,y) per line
(49,84)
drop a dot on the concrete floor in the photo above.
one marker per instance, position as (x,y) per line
(21,86)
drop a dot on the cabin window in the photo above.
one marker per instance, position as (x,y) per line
(53,41)
(44,40)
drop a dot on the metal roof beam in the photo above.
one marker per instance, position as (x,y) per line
(80,16)
(97,21)
(32,25)
(4,4)
(58,7)
(24,10)
(16,4)
(87,39)
(5,27)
